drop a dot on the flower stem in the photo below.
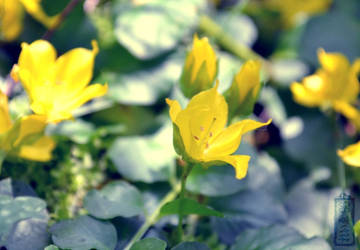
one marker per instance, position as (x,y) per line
(151,220)
(71,5)
(2,158)
(186,171)
(340,165)
(211,28)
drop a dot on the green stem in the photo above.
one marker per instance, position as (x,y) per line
(2,158)
(186,171)
(153,218)
(340,164)
(210,27)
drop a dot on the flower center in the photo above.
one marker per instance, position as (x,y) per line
(203,139)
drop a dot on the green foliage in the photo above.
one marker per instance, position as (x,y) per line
(187,206)
(23,219)
(277,237)
(147,158)
(84,233)
(191,246)
(51,247)
(165,24)
(115,199)
(149,244)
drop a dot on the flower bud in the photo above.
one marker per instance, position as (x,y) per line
(200,68)
(244,90)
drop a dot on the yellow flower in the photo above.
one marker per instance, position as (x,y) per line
(57,86)
(293,11)
(351,154)
(200,135)
(335,85)
(244,90)
(25,137)
(12,13)
(200,68)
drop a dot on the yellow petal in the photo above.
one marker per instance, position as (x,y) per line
(5,121)
(349,111)
(228,141)
(36,62)
(239,162)
(38,151)
(205,115)
(74,69)
(30,125)
(351,154)
(63,110)
(202,52)
(175,108)
(11,17)
(352,89)
(333,61)
(33,7)
(303,96)
(208,109)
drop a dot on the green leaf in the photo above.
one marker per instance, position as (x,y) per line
(187,206)
(144,87)
(214,181)
(303,203)
(315,126)
(277,237)
(241,27)
(116,199)
(78,131)
(51,247)
(144,158)
(149,244)
(191,246)
(244,210)
(165,23)
(84,233)
(14,210)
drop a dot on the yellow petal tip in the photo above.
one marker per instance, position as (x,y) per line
(95,47)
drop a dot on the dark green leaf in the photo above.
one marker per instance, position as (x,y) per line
(144,158)
(244,210)
(191,246)
(187,206)
(149,244)
(144,87)
(19,213)
(214,181)
(116,199)
(84,233)
(277,237)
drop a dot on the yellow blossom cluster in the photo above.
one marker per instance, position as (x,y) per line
(334,86)
(12,14)
(56,87)
(200,132)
